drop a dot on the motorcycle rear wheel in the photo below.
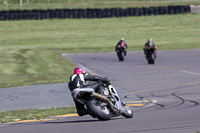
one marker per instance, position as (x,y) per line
(101,112)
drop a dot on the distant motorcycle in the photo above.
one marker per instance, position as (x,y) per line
(104,104)
(150,56)
(120,54)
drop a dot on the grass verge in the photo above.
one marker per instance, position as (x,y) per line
(30,114)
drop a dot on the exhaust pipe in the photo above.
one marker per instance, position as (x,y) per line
(100,97)
(105,99)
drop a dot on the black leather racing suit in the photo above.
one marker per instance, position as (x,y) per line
(79,81)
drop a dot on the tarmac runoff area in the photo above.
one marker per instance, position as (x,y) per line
(43,96)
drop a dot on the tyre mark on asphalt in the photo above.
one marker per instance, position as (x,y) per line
(173,95)
(183,100)
(176,96)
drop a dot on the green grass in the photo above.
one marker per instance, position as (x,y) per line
(30,50)
(56,4)
(30,114)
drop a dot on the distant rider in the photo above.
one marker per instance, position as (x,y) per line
(78,80)
(148,46)
(121,45)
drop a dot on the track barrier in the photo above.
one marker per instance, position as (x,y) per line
(90,13)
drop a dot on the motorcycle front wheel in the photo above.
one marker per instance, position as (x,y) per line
(128,113)
(120,56)
(101,111)
(152,59)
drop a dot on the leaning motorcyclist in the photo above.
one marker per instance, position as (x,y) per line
(121,45)
(78,80)
(148,46)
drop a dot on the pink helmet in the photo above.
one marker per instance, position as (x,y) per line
(79,70)
(122,39)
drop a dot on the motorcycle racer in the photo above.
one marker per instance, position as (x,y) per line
(78,80)
(148,46)
(121,45)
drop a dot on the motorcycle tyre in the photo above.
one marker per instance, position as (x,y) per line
(125,113)
(152,62)
(148,59)
(152,59)
(96,111)
(121,59)
(120,56)
(149,62)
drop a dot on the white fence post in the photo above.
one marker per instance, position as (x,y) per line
(6,4)
(21,2)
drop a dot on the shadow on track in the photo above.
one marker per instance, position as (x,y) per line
(78,121)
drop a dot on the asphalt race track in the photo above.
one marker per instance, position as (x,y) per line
(172,84)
